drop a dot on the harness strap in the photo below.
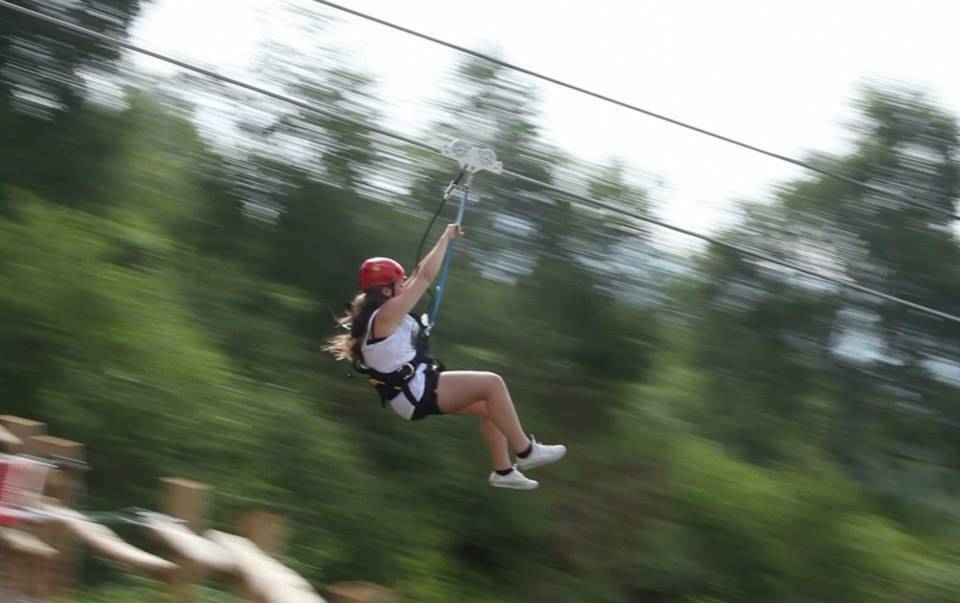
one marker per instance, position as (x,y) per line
(389,385)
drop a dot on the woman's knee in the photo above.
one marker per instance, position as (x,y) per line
(497,392)
(494,382)
(493,385)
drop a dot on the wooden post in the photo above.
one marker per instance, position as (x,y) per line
(266,530)
(23,430)
(27,566)
(65,486)
(9,443)
(187,500)
(16,564)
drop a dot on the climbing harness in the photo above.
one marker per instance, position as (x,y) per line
(389,385)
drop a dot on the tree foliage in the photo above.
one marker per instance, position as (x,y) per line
(737,432)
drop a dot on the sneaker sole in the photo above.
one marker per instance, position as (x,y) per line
(530,486)
(533,465)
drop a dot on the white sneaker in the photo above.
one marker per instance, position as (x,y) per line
(541,454)
(514,480)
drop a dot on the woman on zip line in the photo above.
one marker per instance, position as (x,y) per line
(389,344)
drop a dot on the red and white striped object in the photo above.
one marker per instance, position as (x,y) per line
(21,485)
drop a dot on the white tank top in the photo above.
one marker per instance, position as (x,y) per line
(390,353)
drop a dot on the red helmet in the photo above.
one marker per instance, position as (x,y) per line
(380,272)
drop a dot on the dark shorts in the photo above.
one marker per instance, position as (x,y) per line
(428,403)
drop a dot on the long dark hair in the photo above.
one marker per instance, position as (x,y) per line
(347,345)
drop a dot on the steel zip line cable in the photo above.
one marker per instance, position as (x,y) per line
(310,107)
(546,78)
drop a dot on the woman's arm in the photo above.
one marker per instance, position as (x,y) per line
(429,266)
(393,311)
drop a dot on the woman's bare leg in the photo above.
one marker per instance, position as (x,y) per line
(456,390)
(496,441)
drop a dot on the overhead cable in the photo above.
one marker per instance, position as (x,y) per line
(546,78)
(844,282)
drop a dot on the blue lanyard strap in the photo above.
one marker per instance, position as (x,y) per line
(442,281)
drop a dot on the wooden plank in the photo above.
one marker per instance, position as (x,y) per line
(105,541)
(266,578)
(189,545)
(25,543)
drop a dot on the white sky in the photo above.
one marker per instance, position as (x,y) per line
(776,74)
